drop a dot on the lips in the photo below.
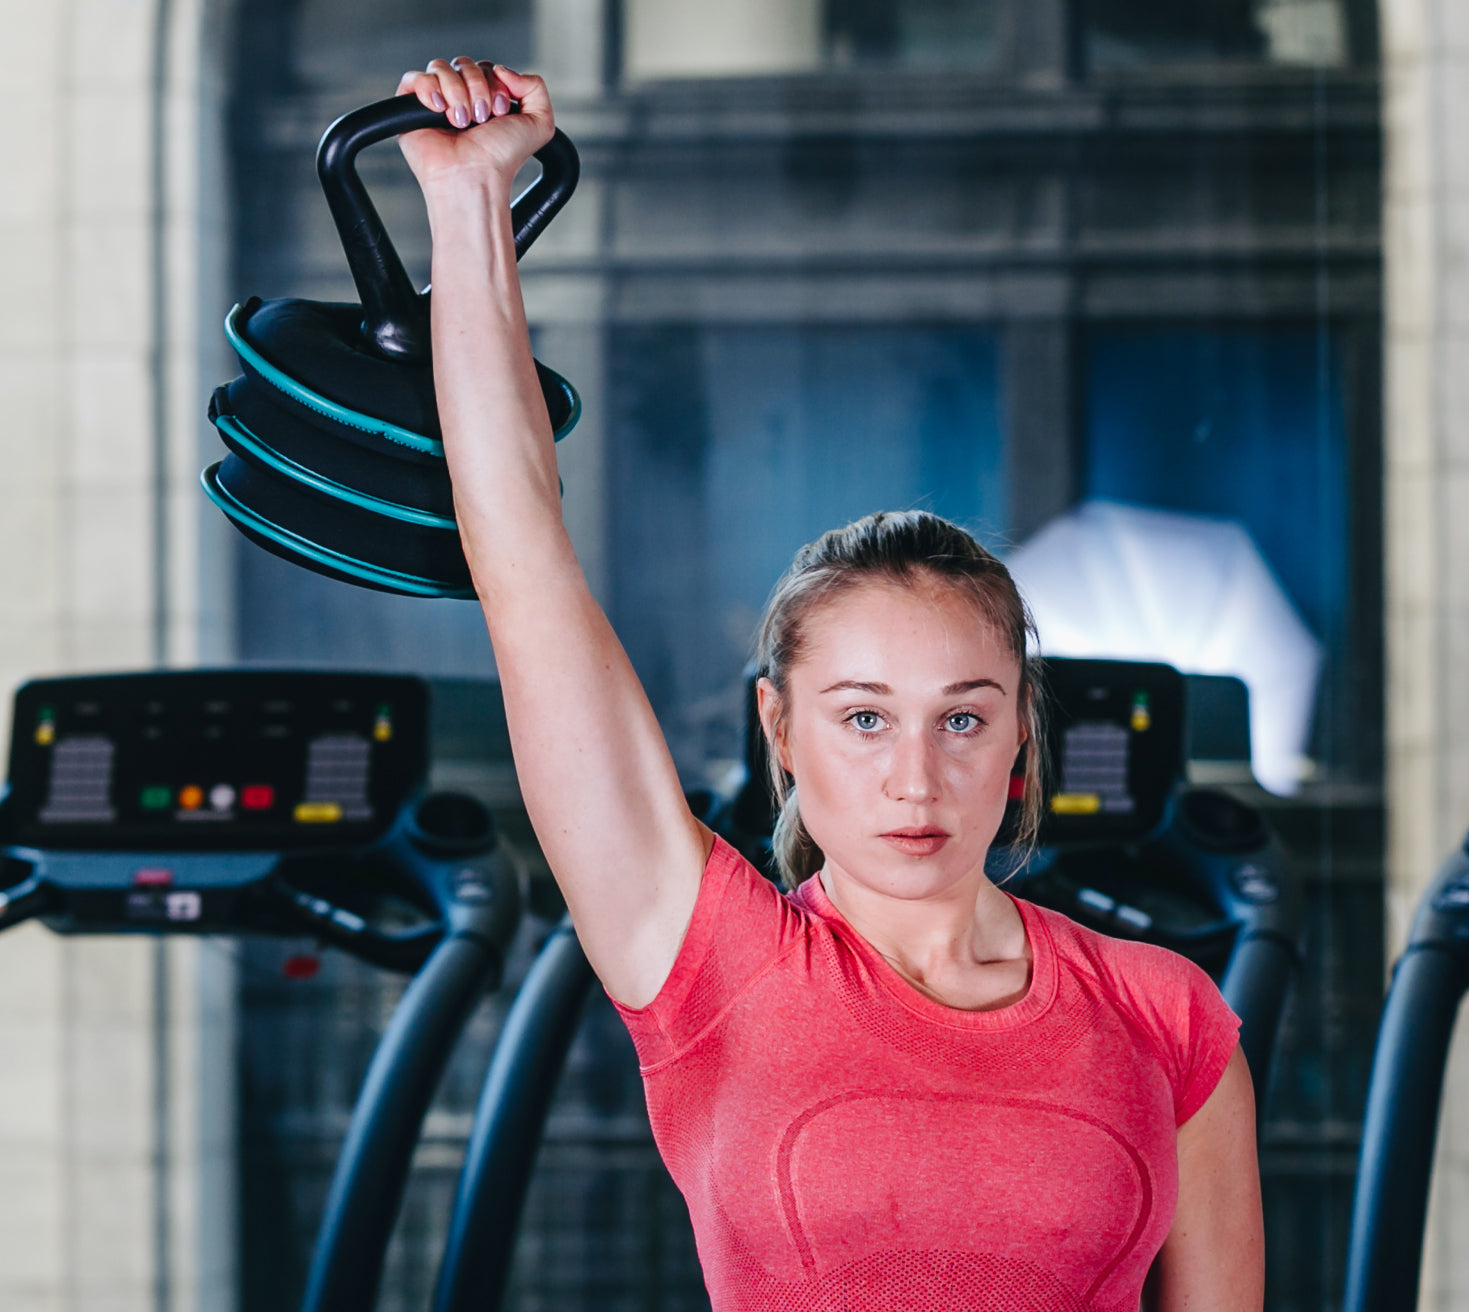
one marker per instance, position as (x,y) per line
(923,841)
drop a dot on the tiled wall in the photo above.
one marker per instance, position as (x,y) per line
(1425,46)
(79,590)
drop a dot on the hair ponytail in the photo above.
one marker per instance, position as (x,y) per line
(796,854)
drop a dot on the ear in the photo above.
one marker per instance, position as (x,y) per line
(1022,729)
(768,704)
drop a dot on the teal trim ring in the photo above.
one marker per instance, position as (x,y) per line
(283,382)
(410,584)
(341,414)
(297,473)
(575,397)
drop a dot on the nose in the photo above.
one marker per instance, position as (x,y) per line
(913,774)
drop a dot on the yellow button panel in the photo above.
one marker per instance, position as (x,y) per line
(318,813)
(1076,803)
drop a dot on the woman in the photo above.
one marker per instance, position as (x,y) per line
(897,1087)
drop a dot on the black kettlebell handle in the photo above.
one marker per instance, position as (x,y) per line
(394,312)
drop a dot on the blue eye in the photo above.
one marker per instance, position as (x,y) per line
(866,721)
(962,722)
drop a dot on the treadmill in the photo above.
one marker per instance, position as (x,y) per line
(281,803)
(1129,846)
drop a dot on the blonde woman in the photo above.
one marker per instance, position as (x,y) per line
(894,1086)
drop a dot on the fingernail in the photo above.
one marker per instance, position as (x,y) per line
(502,103)
(460,116)
(440,103)
(508,69)
(481,111)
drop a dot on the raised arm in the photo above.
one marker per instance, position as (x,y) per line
(594,770)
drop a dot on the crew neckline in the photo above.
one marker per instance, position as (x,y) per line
(1034,1004)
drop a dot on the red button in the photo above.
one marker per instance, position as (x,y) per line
(257,797)
(152,877)
(1017,787)
(303,966)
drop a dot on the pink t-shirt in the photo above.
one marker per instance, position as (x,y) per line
(846,1144)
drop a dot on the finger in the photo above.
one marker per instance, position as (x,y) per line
(535,100)
(500,98)
(477,85)
(456,96)
(425,86)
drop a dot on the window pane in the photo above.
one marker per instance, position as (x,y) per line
(743,38)
(733,446)
(1128,33)
(1244,424)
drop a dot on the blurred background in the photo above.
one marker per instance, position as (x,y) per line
(1029,263)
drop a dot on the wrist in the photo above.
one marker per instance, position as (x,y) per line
(466,195)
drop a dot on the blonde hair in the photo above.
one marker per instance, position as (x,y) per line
(905,547)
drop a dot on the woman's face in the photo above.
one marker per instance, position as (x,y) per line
(901,727)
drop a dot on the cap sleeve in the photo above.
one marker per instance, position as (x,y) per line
(1204,1041)
(1179,1010)
(740,924)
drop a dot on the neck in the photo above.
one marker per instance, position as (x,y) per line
(939,940)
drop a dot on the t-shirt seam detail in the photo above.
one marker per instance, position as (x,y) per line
(718,1016)
(682,966)
(1211,1073)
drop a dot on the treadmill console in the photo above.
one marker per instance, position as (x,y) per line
(1115,747)
(211,761)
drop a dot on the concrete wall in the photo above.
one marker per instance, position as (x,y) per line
(1425,48)
(106,567)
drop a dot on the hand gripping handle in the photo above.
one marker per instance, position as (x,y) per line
(395,313)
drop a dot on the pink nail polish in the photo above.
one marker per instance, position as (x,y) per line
(502,103)
(460,116)
(440,103)
(481,111)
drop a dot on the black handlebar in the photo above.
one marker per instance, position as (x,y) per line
(1254,985)
(23,901)
(372,1170)
(402,950)
(501,1153)
(395,313)
(1401,1122)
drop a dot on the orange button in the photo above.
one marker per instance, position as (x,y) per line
(191,797)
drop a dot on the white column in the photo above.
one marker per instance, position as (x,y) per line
(80,1086)
(721,38)
(1425,47)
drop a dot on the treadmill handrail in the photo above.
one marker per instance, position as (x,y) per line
(372,1168)
(1400,1127)
(23,901)
(398,949)
(1254,985)
(500,1156)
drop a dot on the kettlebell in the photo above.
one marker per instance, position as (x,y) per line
(336,460)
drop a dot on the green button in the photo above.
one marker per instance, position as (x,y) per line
(157,797)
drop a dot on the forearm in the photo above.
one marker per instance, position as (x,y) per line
(497,435)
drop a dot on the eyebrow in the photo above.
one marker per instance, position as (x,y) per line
(882,689)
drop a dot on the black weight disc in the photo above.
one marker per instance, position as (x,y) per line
(320,347)
(248,415)
(346,535)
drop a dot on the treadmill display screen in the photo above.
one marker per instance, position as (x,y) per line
(205,760)
(1115,736)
